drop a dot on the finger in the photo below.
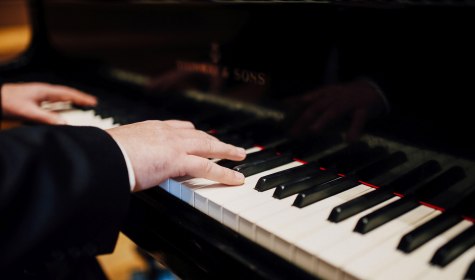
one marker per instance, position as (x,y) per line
(195,134)
(46,117)
(203,168)
(327,117)
(359,120)
(311,96)
(180,124)
(310,115)
(213,149)
(63,93)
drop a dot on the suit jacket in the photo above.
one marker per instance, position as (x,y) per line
(63,193)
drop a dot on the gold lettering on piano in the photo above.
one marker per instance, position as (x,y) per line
(250,77)
(215,70)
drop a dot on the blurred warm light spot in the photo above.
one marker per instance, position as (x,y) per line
(14,40)
(15,30)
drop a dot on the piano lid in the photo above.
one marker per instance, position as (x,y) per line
(417,54)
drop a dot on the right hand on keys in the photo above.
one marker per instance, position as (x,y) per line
(159,150)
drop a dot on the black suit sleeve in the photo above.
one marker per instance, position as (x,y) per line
(63,192)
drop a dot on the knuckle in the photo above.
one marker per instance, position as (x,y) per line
(208,167)
(188,123)
(209,146)
(154,123)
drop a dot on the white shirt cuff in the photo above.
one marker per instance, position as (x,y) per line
(130,170)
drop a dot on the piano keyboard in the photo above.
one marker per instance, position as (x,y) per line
(335,226)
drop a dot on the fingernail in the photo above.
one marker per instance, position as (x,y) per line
(239,177)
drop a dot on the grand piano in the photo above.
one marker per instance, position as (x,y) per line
(289,81)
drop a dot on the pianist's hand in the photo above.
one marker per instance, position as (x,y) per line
(159,150)
(23,100)
(357,101)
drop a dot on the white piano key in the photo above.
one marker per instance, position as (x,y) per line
(174,185)
(408,266)
(219,195)
(236,205)
(165,185)
(296,223)
(359,245)
(328,257)
(56,105)
(318,227)
(105,123)
(454,270)
(86,118)
(186,192)
(230,211)
(250,221)
(200,202)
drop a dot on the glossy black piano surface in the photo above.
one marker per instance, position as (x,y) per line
(237,70)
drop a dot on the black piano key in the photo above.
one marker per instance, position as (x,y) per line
(454,248)
(346,153)
(366,201)
(470,274)
(323,191)
(358,205)
(245,125)
(306,149)
(360,160)
(422,234)
(440,184)
(385,214)
(380,167)
(237,140)
(427,231)
(272,142)
(273,180)
(316,179)
(416,177)
(263,154)
(455,197)
(249,130)
(397,208)
(261,165)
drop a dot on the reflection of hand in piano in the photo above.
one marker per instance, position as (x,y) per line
(359,100)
